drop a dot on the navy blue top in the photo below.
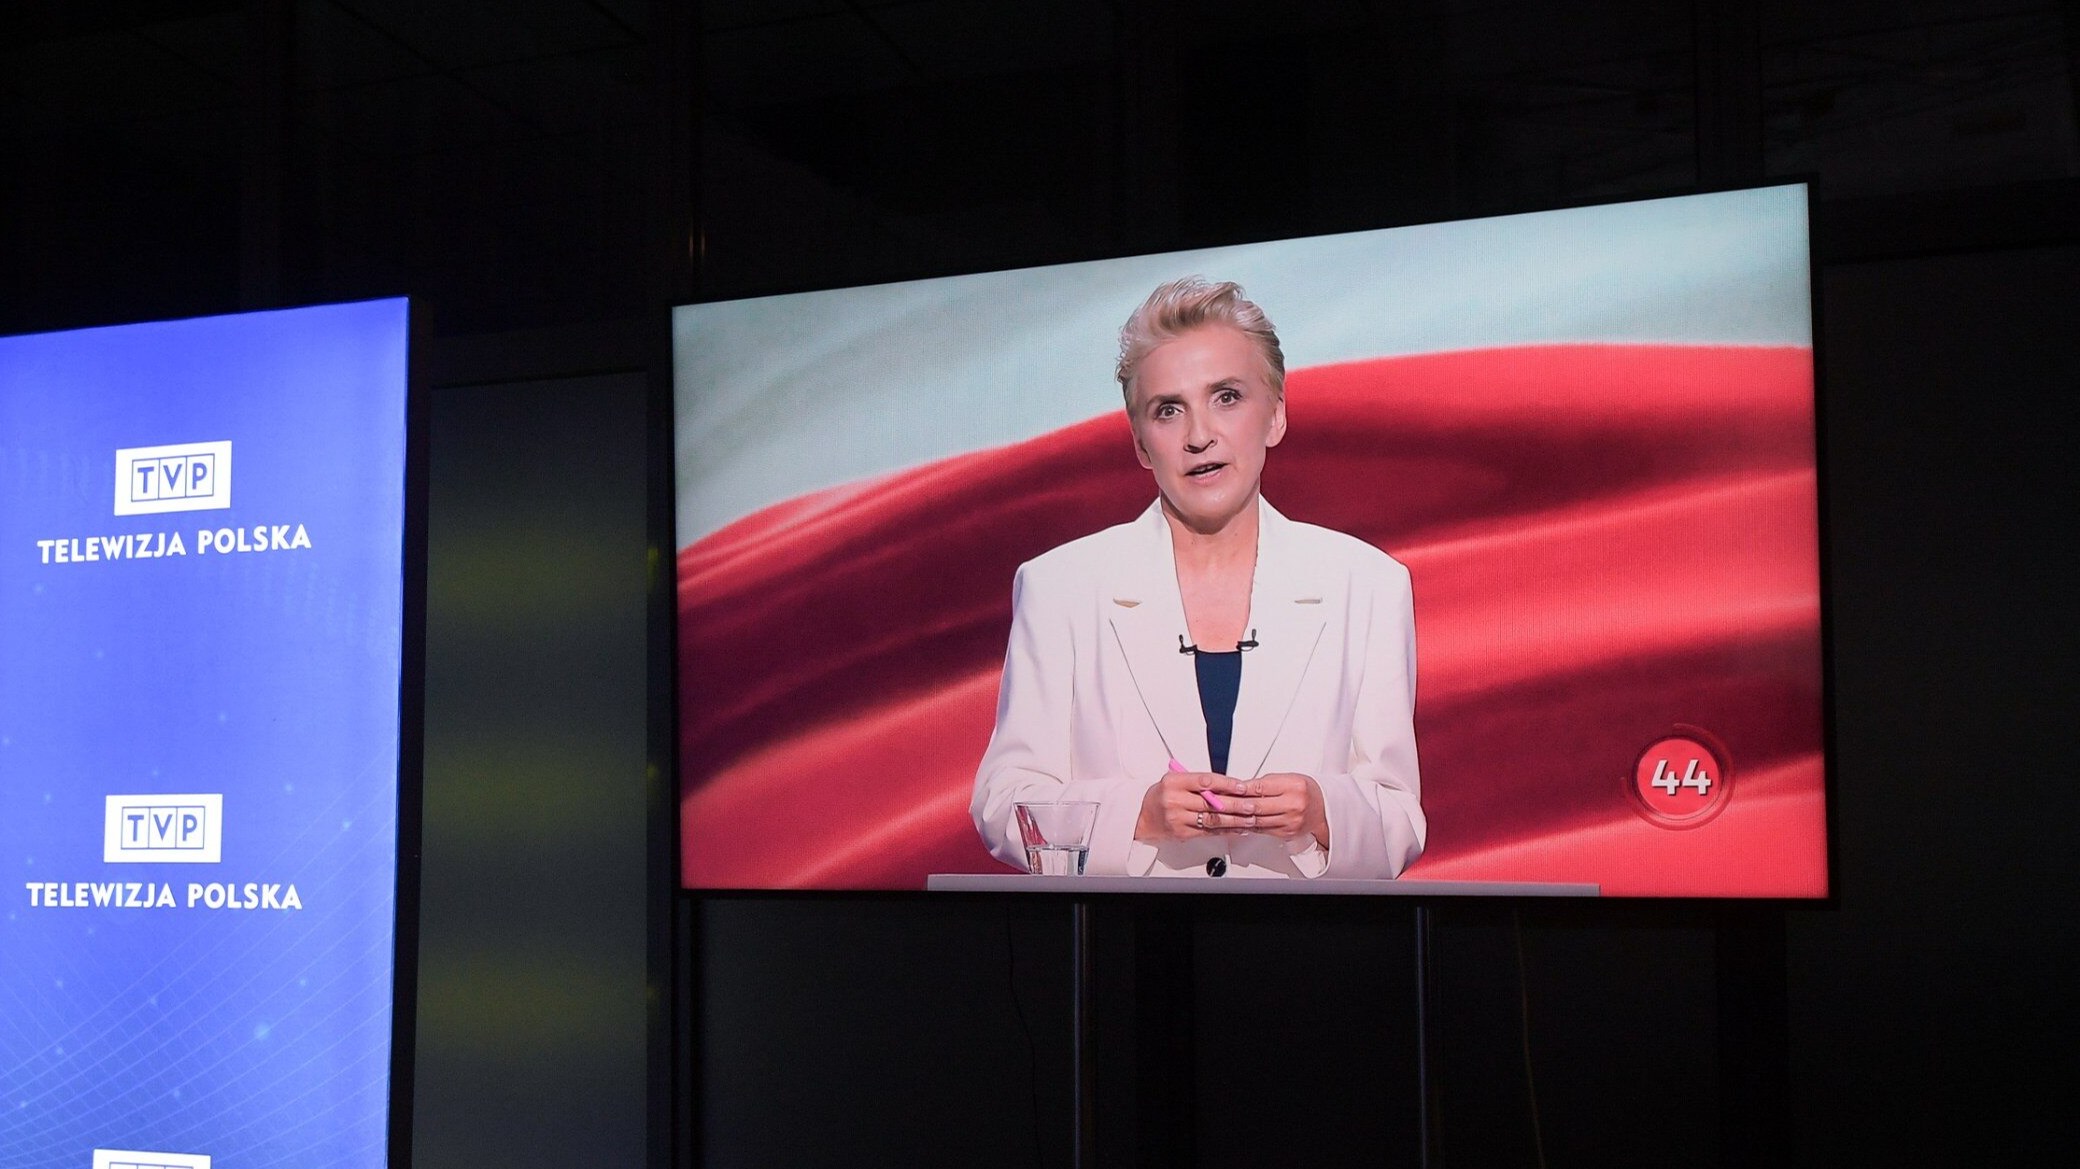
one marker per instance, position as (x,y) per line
(1220,680)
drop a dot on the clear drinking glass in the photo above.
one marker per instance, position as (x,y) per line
(1057,836)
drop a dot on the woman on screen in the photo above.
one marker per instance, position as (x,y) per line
(1235,690)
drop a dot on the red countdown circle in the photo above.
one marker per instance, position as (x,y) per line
(1682,779)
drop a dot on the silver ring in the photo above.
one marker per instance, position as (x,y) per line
(1199,821)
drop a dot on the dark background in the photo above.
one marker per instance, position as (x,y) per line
(544,177)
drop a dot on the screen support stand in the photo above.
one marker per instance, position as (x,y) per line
(1083,1152)
(1426,1041)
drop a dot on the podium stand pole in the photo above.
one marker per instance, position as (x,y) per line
(1084,1149)
(1427,1128)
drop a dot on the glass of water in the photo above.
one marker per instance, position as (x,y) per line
(1057,836)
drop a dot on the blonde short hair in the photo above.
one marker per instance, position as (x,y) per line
(1180,306)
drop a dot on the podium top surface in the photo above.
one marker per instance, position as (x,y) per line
(1021,883)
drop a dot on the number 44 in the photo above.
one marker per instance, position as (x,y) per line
(1693,776)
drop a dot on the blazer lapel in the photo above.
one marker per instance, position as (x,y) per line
(1147,618)
(1285,610)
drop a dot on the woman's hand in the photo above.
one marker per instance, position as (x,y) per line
(1284,804)
(1189,804)
(1180,806)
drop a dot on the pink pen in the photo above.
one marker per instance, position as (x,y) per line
(1212,801)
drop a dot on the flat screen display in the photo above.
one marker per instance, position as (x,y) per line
(1586,435)
(201,588)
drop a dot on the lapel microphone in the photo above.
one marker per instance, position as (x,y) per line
(1249,642)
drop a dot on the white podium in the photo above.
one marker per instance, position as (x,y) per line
(1256,886)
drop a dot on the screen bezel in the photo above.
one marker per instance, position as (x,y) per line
(1829,862)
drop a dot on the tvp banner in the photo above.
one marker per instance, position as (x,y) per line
(201,644)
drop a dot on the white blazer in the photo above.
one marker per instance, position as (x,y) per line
(1096,699)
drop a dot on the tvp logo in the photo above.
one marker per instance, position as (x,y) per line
(163,830)
(132,1159)
(193,476)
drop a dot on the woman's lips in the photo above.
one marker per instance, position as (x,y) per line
(1204,470)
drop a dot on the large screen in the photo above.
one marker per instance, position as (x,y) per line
(1587,435)
(201,624)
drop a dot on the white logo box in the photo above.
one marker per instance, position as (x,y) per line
(193,476)
(163,829)
(135,1159)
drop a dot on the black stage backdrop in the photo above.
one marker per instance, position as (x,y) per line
(544,179)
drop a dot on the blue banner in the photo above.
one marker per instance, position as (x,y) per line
(201,567)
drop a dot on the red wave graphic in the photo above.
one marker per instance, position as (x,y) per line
(1605,541)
